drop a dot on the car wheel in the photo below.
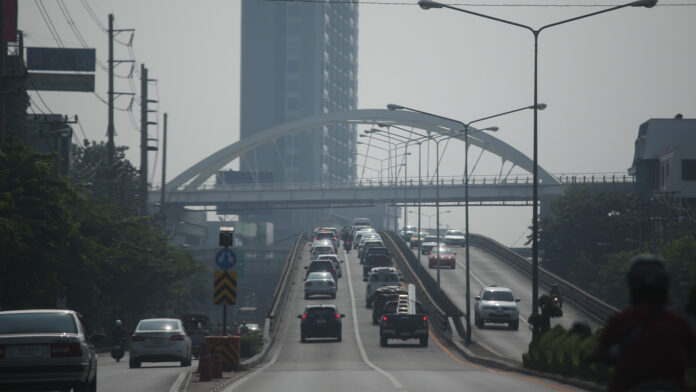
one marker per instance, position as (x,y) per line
(424,341)
(133,364)
(478,322)
(515,325)
(383,341)
(303,339)
(339,338)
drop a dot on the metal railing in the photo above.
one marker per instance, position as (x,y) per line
(281,291)
(592,306)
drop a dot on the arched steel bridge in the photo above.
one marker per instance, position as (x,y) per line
(187,188)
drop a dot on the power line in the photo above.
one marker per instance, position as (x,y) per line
(49,24)
(94,17)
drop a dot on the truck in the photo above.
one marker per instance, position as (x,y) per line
(375,257)
(401,321)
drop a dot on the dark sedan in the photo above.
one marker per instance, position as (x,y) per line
(320,321)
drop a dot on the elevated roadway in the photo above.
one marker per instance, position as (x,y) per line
(358,363)
(487,269)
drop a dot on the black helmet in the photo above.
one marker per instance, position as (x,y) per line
(648,279)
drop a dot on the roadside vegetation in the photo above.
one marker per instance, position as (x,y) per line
(63,239)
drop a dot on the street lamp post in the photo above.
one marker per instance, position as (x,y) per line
(540,106)
(427,4)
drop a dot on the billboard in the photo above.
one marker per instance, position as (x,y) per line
(60,82)
(61,59)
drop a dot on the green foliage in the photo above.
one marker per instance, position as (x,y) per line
(566,353)
(59,240)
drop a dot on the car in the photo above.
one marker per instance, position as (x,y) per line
(378,256)
(496,305)
(379,277)
(398,323)
(322,266)
(367,244)
(428,244)
(47,349)
(336,262)
(160,340)
(327,235)
(417,238)
(362,222)
(447,258)
(407,231)
(320,321)
(454,237)
(323,250)
(251,329)
(197,326)
(319,283)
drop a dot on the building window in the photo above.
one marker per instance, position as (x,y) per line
(688,169)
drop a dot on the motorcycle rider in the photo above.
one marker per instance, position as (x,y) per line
(345,236)
(649,345)
(555,292)
(118,335)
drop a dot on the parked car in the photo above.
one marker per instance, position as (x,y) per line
(47,349)
(447,258)
(320,321)
(319,283)
(160,340)
(496,305)
(454,237)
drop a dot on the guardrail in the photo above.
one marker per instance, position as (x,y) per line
(438,305)
(281,291)
(592,306)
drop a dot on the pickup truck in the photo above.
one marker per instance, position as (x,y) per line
(375,257)
(382,297)
(399,324)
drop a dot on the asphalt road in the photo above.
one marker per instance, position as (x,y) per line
(486,269)
(157,376)
(358,363)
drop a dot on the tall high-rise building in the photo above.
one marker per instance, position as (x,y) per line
(299,59)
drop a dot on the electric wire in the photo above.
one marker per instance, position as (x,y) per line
(94,17)
(371,2)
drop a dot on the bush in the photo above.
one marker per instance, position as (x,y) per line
(250,345)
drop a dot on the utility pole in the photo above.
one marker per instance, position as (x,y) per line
(3,54)
(164,170)
(111,95)
(144,148)
(143,140)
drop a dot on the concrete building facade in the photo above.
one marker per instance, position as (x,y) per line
(298,59)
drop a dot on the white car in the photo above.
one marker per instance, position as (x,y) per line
(160,340)
(46,349)
(336,261)
(455,237)
(496,305)
(319,283)
(379,277)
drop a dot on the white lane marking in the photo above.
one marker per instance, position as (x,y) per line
(484,285)
(363,354)
(179,380)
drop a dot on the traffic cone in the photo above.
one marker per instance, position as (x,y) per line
(204,370)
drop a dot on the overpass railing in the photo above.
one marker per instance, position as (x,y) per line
(284,283)
(438,305)
(562,178)
(590,305)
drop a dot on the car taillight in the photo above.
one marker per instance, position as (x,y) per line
(137,338)
(338,316)
(425,318)
(308,284)
(66,350)
(2,352)
(384,318)
(347,242)
(177,337)
(304,316)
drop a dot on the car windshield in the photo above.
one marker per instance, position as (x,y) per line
(25,323)
(498,296)
(319,276)
(158,325)
(445,251)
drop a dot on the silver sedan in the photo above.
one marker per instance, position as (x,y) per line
(320,283)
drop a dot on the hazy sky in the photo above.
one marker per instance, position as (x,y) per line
(601,77)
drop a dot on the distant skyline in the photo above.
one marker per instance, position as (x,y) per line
(601,77)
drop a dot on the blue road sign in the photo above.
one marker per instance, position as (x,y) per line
(226,259)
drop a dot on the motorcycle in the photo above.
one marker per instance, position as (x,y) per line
(117,351)
(347,246)
(558,301)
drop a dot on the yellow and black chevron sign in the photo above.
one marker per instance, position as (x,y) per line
(225,288)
